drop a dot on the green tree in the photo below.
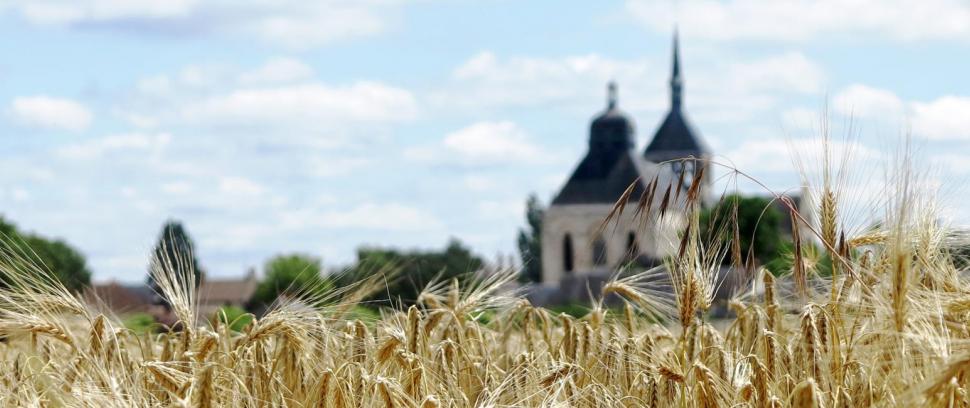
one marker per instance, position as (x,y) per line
(758,221)
(235,317)
(415,269)
(175,250)
(65,262)
(530,241)
(290,274)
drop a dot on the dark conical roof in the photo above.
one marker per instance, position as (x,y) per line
(675,138)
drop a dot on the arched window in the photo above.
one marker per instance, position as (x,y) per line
(632,246)
(567,253)
(599,251)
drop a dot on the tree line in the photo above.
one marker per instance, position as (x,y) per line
(758,223)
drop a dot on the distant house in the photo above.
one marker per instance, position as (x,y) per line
(122,299)
(216,293)
(211,295)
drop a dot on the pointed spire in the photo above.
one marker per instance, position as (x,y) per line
(611,95)
(676,83)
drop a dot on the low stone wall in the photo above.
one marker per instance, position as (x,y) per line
(577,289)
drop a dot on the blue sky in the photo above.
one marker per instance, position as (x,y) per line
(321,126)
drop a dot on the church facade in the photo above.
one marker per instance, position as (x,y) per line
(575,246)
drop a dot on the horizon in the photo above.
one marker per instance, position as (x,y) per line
(267,138)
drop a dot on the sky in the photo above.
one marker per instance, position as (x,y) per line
(319,127)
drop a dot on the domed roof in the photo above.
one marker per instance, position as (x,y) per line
(612,130)
(610,164)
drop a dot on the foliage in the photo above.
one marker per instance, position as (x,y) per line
(814,257)
(576,310)
(758,223)
(415,269)
(363,313)
(235,317)
(175,251)
(530,241)
(290,274)
(139,323)
(65,262)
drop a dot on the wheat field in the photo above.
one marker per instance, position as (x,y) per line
(887,327)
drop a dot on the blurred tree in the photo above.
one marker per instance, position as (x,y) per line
(816,260)
(759,225)
(57,256)
(530,241)
(290,274)
(235,317)
(415,269)
(175,250)
(7,228)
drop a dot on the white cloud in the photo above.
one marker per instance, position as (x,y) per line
(128,192)
(156,85)
(768,155)
(945,118)
(60,12)
(484,143)
(50,112)
(136,143)
(241,236)
(320,25)
(386,217)
(291,23)
(278,70)
(801,20)
(240,186)
(502,210)
(779,155)
(486,65)
(337,166)
(487,80)
(138,120)
(17,194)
(305,103)
(789,72)
(421,153)
(863,101)
(722,89)
(493,141)
(801,118)
(177,187)
(277,103)
(479,183)
(957,163)
(192,79)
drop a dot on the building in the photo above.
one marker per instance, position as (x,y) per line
(575,247)
(213,294)
(122,299)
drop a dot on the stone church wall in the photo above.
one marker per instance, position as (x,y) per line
(581,222)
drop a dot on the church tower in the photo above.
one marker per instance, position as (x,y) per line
(676,138)
(574,246)
(576,249)
(611,140)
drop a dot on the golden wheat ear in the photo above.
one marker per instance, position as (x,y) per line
(175,277)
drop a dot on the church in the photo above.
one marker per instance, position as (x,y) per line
(575,248)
